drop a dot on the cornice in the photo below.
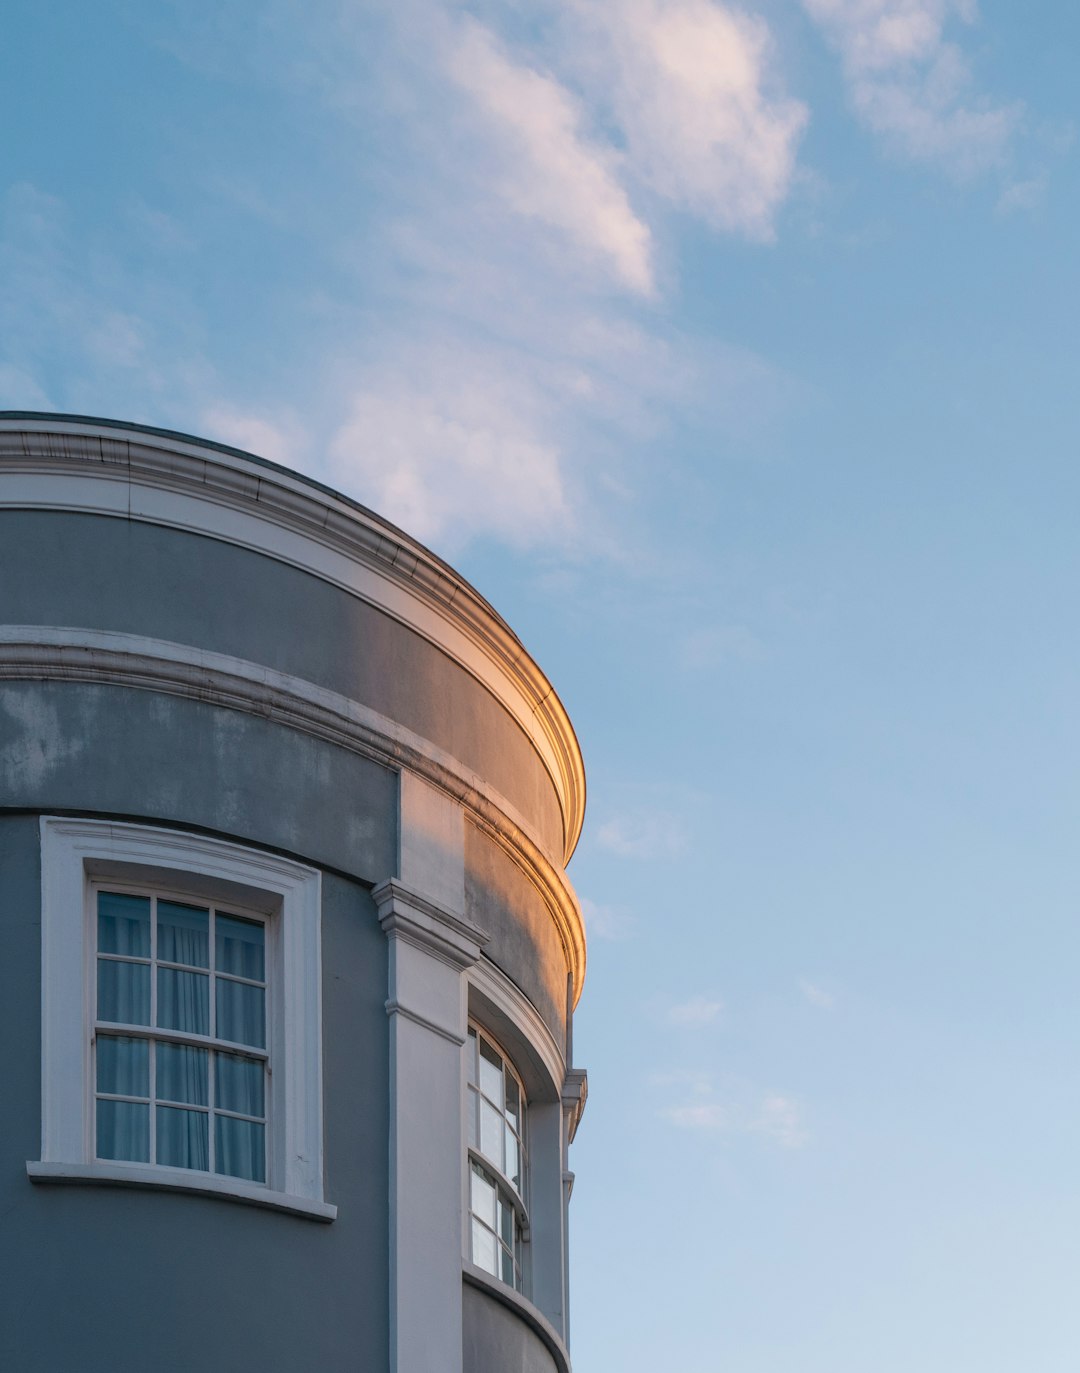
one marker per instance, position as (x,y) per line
(144,465)
(47,653)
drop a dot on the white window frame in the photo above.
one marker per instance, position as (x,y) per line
(516,1198)
(75,854)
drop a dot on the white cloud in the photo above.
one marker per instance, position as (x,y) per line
(694,86)
(773,1117)
(450,444)
(817,996)
(696,1011)
(643,834)
(913,86)
(551,170)
(253,433)
(606,922)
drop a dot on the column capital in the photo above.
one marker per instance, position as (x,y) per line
(407,914)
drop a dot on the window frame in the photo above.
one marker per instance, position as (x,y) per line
(157,1035)
(80,855)
(475,1158)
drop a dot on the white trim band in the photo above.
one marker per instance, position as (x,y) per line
(179,1180)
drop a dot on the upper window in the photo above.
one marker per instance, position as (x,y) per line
(180,1042)
(497,1160)
(181,1018)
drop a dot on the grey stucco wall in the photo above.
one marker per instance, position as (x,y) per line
(117,1280)
(524,941)
(497,1340)
(98,572)
(129,752)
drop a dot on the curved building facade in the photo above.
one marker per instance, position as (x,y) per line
(288,956)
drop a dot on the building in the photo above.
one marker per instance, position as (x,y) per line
(288,957)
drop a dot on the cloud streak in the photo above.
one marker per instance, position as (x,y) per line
(913,86)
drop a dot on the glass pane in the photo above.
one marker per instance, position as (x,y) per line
(483,1249)
(471,1108)
(508,1274)
(491,1133)
(470,1056)
(183,1138)
(240,947)
(513,1103)
(182,1075)
(123,1131)
(241,1148)
(123,924)
(123,992)
(183,1001)
(513,1170)
(241,1013)
(483,1197)
(183,934)
(506,1223)
(239,1084)
(491,1073)
(123,1066)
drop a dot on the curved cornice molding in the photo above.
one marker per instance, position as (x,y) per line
(110,468)
(47,653)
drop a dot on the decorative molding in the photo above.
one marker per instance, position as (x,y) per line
(395,1007)
(522,1308)
(178,1180)
(575,1093)
(102,467)
(420,922)
(47,653)
(505,996)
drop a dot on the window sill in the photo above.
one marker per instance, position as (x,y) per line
(521,1306)
(178,1180)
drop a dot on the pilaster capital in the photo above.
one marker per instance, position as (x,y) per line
(443,934)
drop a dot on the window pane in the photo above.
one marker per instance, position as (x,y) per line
(491,1073)
(183,1001)
(506,1223)
(241,1013)
(183,934)
(471,1109)
(183,1138)
(182,1074)
(241,1148)
(470,1056)
(240,947)
(123,992)
(512,1170)
(483,1197)
(508,1274)
(491,1133)
(123,924)
(123,1066)
(512,1101)
(123,1131)
(484,1249)
(239,1084)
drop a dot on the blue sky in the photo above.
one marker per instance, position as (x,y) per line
(731,352)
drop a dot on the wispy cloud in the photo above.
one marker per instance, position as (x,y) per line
(913,85)
(773,1117)
(645,834)
(817,996)
(606,922)
(696,89)
(695,1011)
(551,170)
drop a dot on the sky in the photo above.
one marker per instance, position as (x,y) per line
(731,352)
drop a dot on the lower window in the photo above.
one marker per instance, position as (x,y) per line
(498,1219)
(181,1015)
(180,1060)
